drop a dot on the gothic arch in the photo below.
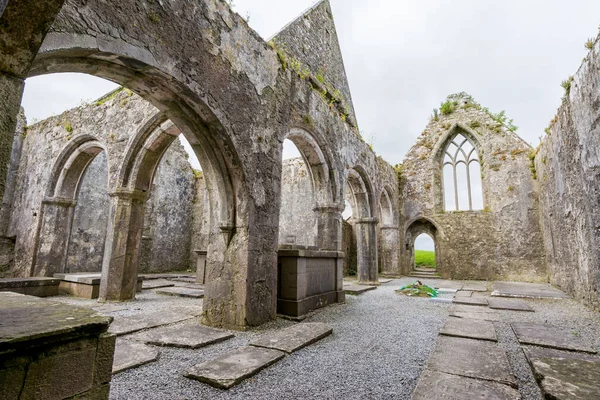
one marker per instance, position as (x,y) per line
(56,213)
(417,227)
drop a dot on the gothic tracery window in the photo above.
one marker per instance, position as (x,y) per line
(462,176)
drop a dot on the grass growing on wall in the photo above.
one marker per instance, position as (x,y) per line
(425,258)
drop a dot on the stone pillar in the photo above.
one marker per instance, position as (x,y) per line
(201,266)
(52,241)
(11,92)
(329,226)
(123,244)
(366,241)
(389,250)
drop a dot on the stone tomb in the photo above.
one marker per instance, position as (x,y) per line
(51,350)
(308,279)
(84,285)
(39,287)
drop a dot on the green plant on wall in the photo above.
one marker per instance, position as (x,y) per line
(448,107)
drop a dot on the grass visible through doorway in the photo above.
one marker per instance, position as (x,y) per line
(424,259)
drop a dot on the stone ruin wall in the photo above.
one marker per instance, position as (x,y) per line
(568,171)
(297,220)
(501,242)
(112,120)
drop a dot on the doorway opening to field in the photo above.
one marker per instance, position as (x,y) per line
(424,253)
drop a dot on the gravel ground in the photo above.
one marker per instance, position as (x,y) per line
(380,344)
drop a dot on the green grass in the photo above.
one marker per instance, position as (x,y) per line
(425,258)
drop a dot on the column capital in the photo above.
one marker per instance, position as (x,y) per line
(330,207)
(133,194)
(390,227)
(373,221)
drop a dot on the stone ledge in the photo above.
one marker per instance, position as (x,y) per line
(39,287)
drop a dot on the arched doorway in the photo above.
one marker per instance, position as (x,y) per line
(422,234)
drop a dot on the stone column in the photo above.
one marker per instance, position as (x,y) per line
(11,92)
(52,239)
(123,244)
(389,250)
(329,226)
(366,243)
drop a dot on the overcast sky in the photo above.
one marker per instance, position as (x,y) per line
(404,57)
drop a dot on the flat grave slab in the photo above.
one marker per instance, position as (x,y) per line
(124,325)
(182,292)
(358,289)
(34,286)
(449,285)
(472,301)
(565,375)
(438,385)
(163,276)
(471,358)
(499,303)
(526,290)
(476,286)
(193,286)
(230,369)
(385,280)
(473,312)
(551,336)
(294,337)
(463,293)
(469,328)
(189,335)
(184,279)
(129,354)
(108,308)
(156,284)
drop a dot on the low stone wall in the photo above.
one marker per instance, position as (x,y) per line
(568,171)
(66,354)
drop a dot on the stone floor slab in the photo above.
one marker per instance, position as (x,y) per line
(551,336)
(230,369)
(182,292)
(471,301)
(469,308)
(438,385)
(449,285)
(508,304)
(189,335)
(526,290)
(565,375)
(469,328)
(471,358)
(129,354)
(483,316)
(124,325)
(481,286)
(385,280)
(463,293)
(184,279)
(156,284)
(358,289)
(294,337)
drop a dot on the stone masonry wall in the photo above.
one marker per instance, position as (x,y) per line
(502,241)
(568,171)
(113,120)
(297,220)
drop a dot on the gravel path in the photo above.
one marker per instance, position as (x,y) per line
(380,345)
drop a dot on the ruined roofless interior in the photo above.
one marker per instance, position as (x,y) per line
(157,242)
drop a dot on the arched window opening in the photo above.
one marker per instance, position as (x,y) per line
(297,220)
(424,251)
(462,176)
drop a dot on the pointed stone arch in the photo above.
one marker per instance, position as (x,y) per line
(388,234)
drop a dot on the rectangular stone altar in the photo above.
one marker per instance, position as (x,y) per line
(84,285)
(51,350)
(308,279)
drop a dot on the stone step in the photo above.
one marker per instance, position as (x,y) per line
(129,354)
(182,292)
(232,368)
(189,335)
(294,337)
(423,276)
(432,270)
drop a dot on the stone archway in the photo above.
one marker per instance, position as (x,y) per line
(361,198)
(54,226)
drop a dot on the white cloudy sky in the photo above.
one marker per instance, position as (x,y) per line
(404,57)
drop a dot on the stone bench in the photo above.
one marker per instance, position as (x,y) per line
(308,279)
(39,287)
(49,349)
(84,285)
